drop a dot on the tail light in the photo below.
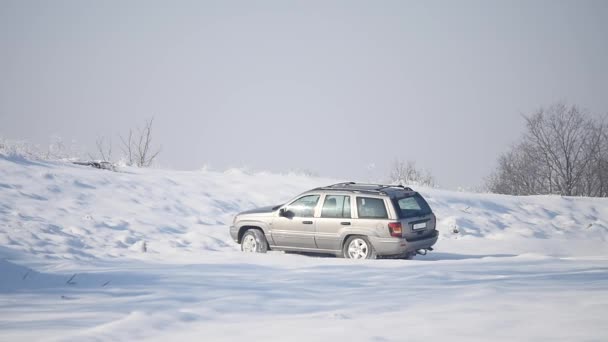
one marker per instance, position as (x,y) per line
(395,229)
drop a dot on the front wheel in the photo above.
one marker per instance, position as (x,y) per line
(254,241)
(358,247)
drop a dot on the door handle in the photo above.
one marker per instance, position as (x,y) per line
(307,222)
(345,223)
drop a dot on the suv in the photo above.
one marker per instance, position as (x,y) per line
(356,221)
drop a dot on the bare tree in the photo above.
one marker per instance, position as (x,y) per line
(562,152)
(595,177)
(562,136)
(138,149)
(406,173)
(519,172)
(602,163)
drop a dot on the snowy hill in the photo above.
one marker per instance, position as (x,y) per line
(62,211)
(145,253)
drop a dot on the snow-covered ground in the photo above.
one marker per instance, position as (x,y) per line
(73,266)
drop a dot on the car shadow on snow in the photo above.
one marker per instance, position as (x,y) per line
(431,256)
(311,254)
(436,256)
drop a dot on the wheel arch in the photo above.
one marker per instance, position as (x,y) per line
(346,236)
(245,228)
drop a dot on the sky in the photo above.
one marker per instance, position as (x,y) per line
(334,87)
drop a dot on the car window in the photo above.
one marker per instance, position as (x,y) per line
(336,207)
(413,206)
(304,206)
(408,203)
(368,207)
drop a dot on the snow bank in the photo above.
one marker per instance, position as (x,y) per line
(58,211)
(141,254)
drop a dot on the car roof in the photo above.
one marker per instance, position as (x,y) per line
(374,189)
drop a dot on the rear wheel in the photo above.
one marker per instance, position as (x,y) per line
(254,241)
(358,247)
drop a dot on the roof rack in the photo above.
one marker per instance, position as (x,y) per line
(378,187)
(339,184)
(406,188)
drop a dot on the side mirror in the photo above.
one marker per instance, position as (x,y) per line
(284,212)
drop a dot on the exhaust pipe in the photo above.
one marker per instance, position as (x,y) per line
(423,251)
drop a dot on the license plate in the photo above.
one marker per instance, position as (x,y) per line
(419,225)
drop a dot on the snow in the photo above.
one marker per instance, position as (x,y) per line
(73,266)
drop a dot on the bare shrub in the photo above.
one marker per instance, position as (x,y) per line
(103,149)
(138,147)
(406,173)
(56,150)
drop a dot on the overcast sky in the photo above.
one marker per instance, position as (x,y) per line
(329,86)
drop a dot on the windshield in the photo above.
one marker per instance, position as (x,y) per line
(411,206)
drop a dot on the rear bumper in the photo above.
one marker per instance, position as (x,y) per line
(393,246)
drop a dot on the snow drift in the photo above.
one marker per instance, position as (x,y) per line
(144,253)
(51,210)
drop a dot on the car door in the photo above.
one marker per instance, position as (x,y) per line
(334,218)
(297,227)
(372,215)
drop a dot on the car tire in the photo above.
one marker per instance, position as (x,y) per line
(254,241)
(358,247)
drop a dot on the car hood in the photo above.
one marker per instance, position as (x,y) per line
(262,210)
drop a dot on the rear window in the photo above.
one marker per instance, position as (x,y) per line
(374,208)
(412,206)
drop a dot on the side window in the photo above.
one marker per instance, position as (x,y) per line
(371,208)
(304,206)
(336,207)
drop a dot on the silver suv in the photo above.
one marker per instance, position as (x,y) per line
(352,220)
